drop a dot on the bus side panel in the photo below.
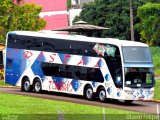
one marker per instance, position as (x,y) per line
(64,85)
(15,65)
(28,63)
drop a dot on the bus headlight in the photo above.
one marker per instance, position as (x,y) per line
(128,92)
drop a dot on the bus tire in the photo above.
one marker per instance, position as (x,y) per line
(26,86)
(37,86)
(101,94)
(88,92)
(128,101)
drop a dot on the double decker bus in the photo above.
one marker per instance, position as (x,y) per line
(92,67)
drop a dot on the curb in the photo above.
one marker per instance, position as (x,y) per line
(155,101)
(9,87)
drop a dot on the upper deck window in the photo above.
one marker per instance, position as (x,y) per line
(136,54)
(64,46)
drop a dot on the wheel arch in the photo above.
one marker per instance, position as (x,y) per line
(30,80)
(100,87)
(25,77)
(85,87)
(37,78)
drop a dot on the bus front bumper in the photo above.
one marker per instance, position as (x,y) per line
(138,94)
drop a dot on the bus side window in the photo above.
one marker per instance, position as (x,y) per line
(94,75)
(9,64)
(1,57)
(115,67)
(72,72)
(98,75)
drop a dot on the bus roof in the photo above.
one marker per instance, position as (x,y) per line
(113,41)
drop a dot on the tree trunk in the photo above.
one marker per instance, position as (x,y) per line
(131,22)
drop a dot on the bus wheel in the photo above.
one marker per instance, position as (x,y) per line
(128,101)
(26,86)
(37,87)
(88,93)
(102,95)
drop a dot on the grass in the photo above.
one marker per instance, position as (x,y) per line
(157,90)
(2,83)
(155,51)
(42,109)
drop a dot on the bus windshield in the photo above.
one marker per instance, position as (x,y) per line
(136,54)
(139,77)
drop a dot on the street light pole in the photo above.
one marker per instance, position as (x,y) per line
(131,21)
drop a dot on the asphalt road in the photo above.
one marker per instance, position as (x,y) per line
(138,106)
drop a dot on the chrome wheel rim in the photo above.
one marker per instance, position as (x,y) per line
(89,93)
(26,85)
(102,95)
(37,86)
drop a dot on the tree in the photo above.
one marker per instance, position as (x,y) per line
(15,17)
(114,14)
(149,14)
(69,4)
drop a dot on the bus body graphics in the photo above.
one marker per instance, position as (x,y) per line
(93,67)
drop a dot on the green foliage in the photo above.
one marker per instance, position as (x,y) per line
(14,17)
(69,5)
(155,51)
(149,15)
(156,90)
(154,1)
(113,14)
